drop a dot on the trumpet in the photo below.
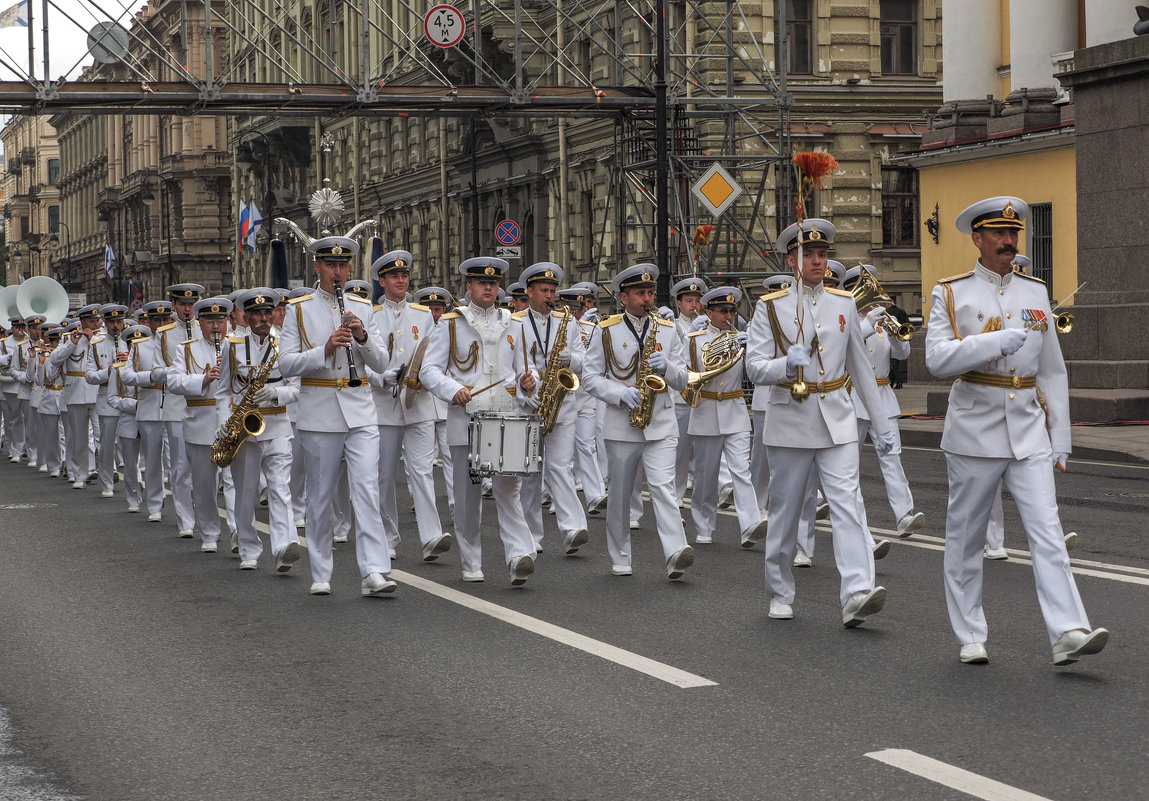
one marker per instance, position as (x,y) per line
(353,379)
(1064,323)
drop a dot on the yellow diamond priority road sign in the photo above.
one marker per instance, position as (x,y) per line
(716,189)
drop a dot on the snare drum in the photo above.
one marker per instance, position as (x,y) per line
(505,445)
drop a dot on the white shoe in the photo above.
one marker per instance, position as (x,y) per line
(881,549)
(596,507)
(751,535)
(1071,540)
(573,540)
(437,547)
(77,485)
(288,557)
(339,538)
(248,564)
(996,554)
(377,584)
(133,509)
(1072,645)
(54,474)
(392,553)
(186,535)
(725,497)
(703,539)
(861,605)
(234,542)
(32,463)
(155,517)
(779,610)
(300,523)
(107,494)
(521,567)
(802,559)
(320,588)
(911,521)
(678,562)
(621,570)
(208,547)
(634,525)
(14,459)
(474,577)
(43,469)
(974,653)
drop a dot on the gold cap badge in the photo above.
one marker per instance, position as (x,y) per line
(646,276)
(815,235)
(400,263)
(215,307)
(490,270)
(730,298)
(188,293)
(337,251)
(1008,212)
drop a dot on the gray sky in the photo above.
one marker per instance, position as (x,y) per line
(68,24)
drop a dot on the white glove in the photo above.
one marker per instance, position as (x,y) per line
(666,312)
(590,316)
(391,377)
(885,443)
(700,322)
(630,398)
(266,396)
(797,356)
(658,361)
(565,358)
(875,314)
(1061,461)
(1010,340)
(741,338)
(159,375)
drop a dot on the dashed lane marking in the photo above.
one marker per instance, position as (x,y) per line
(951,776)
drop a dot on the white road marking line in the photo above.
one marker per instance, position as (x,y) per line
(611,653)
(629,659)
(953,777)
(1073,459)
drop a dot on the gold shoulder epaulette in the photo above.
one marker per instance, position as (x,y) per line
(558,314)
(377,307)
(614,319)
(356,298)
(450,316)
(118,365)
(665,321)
(519,315)
(955,277)
(418,307)
(237,340)
(167,327)
(187,341)
(99,338)
(1020,274)
(697,333)
(842,292)
(781,293)
(300,299)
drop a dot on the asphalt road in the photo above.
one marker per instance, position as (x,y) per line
(134,667)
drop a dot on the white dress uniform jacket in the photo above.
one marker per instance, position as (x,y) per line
(612,364)
(880,347)
(539,339)
(169,340)
(722,409)
(404,327)
(998,421)
(98,360)
(145,356)
(193,360)
(68,360)
(242,356)
(310,321)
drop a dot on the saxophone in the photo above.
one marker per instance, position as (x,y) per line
(245,420)
(557,381)
(648,382)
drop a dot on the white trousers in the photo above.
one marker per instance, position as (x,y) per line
(445,455)
(558,471)
(657,461)
(808,519)
(13,424)
(972,482)
(708,453)
(228,483)
(270,458)
(106,463)
(298,478)
(684,456)
(586,453)
(416,443)
(31,429)
(897,485)
(205,491)
(837,468)
(513,530)
(180,475)
(759,463)
(323,451)
(130,451)
(49,429)
(77,436)
(995,528)
(152,441)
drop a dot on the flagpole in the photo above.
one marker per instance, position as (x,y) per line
(31,45)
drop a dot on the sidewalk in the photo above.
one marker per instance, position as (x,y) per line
(1128,443)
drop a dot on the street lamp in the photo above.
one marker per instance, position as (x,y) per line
(147,198)
(54,242)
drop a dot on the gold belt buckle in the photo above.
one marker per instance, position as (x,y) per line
(339,383)
(1016,382)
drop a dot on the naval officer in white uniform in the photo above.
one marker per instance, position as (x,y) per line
(1007,421)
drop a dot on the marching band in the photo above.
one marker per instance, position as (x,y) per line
(313,399)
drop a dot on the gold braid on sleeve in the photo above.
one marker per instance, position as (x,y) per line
(463,365)
(612,364)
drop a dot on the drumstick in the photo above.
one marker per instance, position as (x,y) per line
(484,389)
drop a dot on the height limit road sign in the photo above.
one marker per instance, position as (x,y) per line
(507,232)
(444,26)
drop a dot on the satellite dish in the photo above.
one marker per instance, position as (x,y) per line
(108,42)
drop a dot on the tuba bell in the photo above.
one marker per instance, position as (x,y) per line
(42,295)
(868,293)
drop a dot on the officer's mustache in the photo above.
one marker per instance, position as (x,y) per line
(1010,249)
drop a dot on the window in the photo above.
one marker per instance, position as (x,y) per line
(1041,243)
(53,171)
(799,37)
(54,219)
(899,38)
(900,207)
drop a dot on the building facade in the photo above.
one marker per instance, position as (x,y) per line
(32,197)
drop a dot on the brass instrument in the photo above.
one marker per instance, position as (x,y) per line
(718,356)
(868,293)
(557,380)
(648,382)
(245,420)
(353,379)
(1064,323)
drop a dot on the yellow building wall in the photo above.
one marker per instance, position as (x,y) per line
(1046,177)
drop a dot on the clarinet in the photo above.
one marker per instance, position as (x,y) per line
(353,380)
